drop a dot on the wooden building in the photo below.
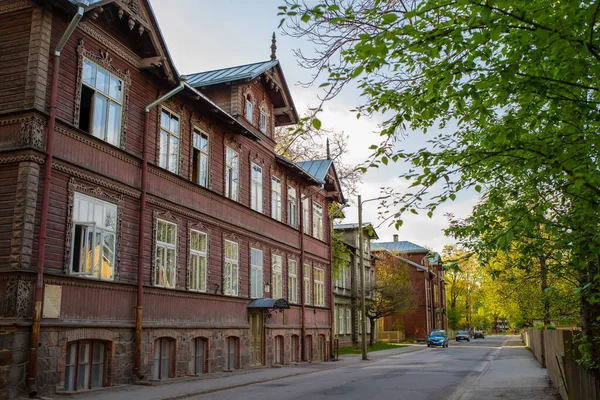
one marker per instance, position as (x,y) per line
(427,274)
(148,230)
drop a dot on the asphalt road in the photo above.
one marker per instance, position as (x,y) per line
(480,369)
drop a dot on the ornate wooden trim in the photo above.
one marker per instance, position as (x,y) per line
(166,216)
(105,39)
(20,5)
(106,61)
(99,193)
(17,299)
(32,133)
(13,159)
(98,144)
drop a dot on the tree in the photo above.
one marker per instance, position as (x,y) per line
(394,293)
(512,84)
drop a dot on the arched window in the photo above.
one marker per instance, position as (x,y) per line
(263,122)
(248,113)
(85,365)
(198,364)
(232,353)
(164,358)
(295,348)
(278,356)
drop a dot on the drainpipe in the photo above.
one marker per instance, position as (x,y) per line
(39,278)
(303,327)
(142,228)
(331,303)
(432,288)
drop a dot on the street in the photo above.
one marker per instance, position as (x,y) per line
(479,369)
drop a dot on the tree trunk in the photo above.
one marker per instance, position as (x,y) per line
(590,316)
(545,298)
(372,335)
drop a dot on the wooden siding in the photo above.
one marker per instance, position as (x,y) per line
(8,188)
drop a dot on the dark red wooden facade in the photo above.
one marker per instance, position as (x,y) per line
(104,310)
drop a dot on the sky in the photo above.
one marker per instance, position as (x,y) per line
(206,34)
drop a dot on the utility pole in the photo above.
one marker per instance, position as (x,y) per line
(362,281)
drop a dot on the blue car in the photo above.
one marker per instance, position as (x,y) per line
(437,338)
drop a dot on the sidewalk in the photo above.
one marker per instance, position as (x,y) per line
(513,373)
(187,387)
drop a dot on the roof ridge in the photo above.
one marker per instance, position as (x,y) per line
(230,67)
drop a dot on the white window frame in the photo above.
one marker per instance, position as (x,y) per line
(318,221)
(96,271)
(248,109)
(166,161)
(341,318)
(200,254)
(306,215)
(292,207)
(232,174)
(319,284)
(167,246)
(348,320)
(230,278)
(256,190)
(277,276)
(204,155)
(256,274)
(292,281)
(307,285)
(276,198)
(110,99)
(263,120)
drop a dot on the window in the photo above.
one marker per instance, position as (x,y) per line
(231,353)
(319,278)
(348,320)
(200,159)
(84,365)
(263,120)
(318,221)
(276,199)
(292,207)
(256,273)
(101,103)
(166,254)
(292,281)
(94,237)
(341,316)
(169,141)
(277,276)
(346,276)
(256,195)
(295,347)
(248,113)
(278,356)
(232,173)
(306,215)
(230,279)
(307,296)
(199,356)
(164,362)
(198,261)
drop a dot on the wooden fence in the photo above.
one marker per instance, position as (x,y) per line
(390,336)
(555,350)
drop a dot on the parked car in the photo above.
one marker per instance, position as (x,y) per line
(462,335)
(437,338)
(478,334)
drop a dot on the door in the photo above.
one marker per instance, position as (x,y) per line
(231,353)
(257,339)
(278,350)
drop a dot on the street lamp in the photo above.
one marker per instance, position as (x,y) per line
(362,274)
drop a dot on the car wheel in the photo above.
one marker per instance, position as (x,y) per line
(428,345)
(457,340)
(468,340)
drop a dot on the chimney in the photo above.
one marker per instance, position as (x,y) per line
(395,238)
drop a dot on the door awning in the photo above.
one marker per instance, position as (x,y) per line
(273,304)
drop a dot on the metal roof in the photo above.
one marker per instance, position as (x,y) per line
(277,304)
(317,168)
(230,74)
(290,164)
(352,226)
(401,247)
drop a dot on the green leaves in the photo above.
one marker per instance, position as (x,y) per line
(389,19)
(316,123)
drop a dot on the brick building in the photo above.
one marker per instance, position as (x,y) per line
(346,289)
(148,230)
(427,274)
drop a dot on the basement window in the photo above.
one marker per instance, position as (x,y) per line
(101,103)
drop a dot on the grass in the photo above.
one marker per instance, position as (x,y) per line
(376,347)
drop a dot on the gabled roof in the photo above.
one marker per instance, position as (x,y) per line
(353,226)
(230,74)
(316,168)
(295,168)
(400,247)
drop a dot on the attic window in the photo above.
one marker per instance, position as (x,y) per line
(263,120)
(248,113)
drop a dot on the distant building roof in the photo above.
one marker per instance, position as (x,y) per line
(230,74)
(400,247)
(352,226)
(317,168)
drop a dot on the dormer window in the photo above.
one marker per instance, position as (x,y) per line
(248,114)
(263,120)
